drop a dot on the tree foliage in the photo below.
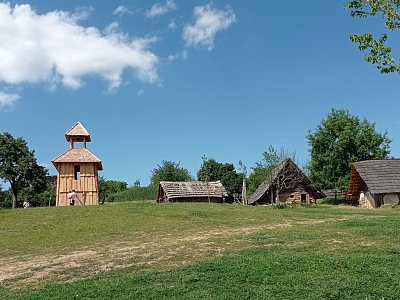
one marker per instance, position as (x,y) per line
(169,171)
(338,141)
(5,199)
(263,169)
(109,187)
(211,170)
(380,54)
(19,168)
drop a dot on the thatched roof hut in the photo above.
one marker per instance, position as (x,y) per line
(287,183)
(192,191)
(375,182)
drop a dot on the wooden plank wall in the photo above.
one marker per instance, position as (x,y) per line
(285,198)
(86,187)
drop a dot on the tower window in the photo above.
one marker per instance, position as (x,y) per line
(77,172)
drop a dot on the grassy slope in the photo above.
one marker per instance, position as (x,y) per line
(319,252)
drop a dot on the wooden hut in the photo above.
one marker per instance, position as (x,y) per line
(375,182)
(77,170)
(286,184)
(193,191)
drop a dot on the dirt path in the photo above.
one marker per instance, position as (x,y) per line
(165,251)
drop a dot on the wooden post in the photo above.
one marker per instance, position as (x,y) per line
(244,196)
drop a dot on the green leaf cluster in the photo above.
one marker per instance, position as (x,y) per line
(109,187)
(379,53)
(338,141)
(18,167)
(211,170)
(169,171)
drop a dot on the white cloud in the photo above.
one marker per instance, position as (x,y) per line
(159,9)
(184,54)
(122,10)
(82,13)
(208,22)
(54,48)
(172,25)
(8,100)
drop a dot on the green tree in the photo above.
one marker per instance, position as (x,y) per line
(380,54)
(169,171)
(338,141)
(5,199)
(109,187)
(19,168)
(211,170)
(263,169)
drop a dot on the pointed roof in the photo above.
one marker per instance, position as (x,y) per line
(285,166)
(380,176)
(77,156)
(78,133)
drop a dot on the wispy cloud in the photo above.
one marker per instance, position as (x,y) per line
(122,10)
(172,25)
(8,100)
(159,9)
(208,21)
(53,47)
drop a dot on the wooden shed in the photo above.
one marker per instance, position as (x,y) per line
(193,191)
(286,184)
(375,182)
(77,170)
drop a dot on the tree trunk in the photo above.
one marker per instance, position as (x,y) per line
(14,199)
(277,201)
(14,194)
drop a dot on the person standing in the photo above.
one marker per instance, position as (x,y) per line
(71,197)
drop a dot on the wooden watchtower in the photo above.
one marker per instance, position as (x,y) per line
(77,170)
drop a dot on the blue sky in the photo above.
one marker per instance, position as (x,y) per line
(176,80)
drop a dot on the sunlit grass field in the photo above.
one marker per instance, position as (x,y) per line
(199,251)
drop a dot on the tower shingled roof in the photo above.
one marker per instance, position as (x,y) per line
(77,133)
(77,156)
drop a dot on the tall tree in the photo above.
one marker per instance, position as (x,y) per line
(19,168)
(211,170)
(169,171)
(338,141)
(380,54)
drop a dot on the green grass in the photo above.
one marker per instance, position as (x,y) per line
(200,251)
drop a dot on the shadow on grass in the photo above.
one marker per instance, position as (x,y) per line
(338,201)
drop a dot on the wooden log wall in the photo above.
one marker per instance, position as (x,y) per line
(295,197)
(86,187)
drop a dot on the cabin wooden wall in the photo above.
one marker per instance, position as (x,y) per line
(86,187)
(295,197)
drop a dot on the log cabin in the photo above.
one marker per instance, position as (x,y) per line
(286,184)
(375,182)
(192,191)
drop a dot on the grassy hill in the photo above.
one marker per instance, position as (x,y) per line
(199,251)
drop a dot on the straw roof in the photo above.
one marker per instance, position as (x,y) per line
(77,133)
(193,189)
(380,176)
(77,156)
(303,180)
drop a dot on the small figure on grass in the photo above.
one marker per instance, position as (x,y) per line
(71,197)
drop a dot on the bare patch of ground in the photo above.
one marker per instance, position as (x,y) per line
(163,252)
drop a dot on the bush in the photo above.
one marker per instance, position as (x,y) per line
(135,193)
(5,199)
(338,201)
